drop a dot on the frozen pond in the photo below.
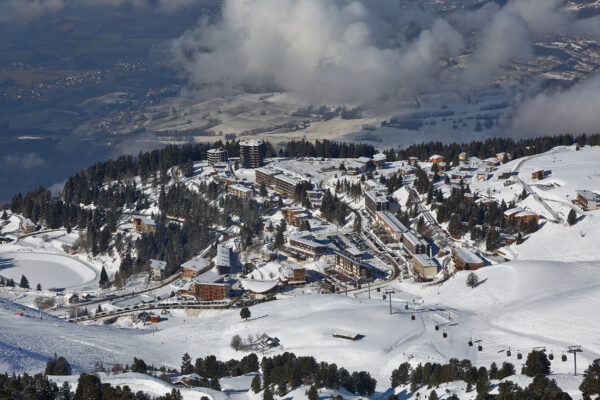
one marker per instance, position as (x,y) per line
(50,270)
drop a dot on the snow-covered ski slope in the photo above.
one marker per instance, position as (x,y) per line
(518,305)
(567,170)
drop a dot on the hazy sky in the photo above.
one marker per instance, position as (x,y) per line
(358,51)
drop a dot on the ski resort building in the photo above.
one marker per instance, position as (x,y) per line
(285,185)
(354,168)
(223,259)
(375,202)
(143,224)
(414,244)
(295,216)
(260,287)
(518,214)
(240,191)
(157,269)
(210,287)
(252,153)
(466,259)
(27,226)
(292,274)
(315,197)
(195,267)
(216,156)
(587,200)
(379,160)
(391,224)
(265,175)
(307,246)
(72,298)
(351,267)
(424,266)
(539,174)
(436,158)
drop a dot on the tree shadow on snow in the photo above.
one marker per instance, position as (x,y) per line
(481,282)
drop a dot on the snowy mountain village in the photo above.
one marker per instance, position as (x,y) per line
(329,269)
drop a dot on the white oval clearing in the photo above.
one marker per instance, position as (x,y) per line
(50,270)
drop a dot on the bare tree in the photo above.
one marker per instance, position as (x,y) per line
(237,343)
(43,303)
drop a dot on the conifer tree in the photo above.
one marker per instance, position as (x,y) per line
(104,282)
(245,313)
(279,237)
(267,394)
(255,384)
(64,392)
(472,280)
(24,282)
(537,364)
(186,364)
(88,387)
(263,190)
(572,217)
(313,393)
(590,385)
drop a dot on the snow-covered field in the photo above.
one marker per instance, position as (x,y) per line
(448,117)
(518,305)
(567,170)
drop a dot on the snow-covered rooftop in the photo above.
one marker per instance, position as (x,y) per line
(208,277)
(467,256)
(240,188)
(287,179)
(145,220)
(588,195)
(391,220)
(260,286)
(196,263)
(252,142)
(424,260)
(377,198)
(158,265)
(307,240)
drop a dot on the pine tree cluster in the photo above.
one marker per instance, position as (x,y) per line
(333,209)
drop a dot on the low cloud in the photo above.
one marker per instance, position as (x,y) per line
(11,10)
(340,51)
(146,141)
(57,188)
(574,110)
(29,10)
(506,39)
(25,161)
